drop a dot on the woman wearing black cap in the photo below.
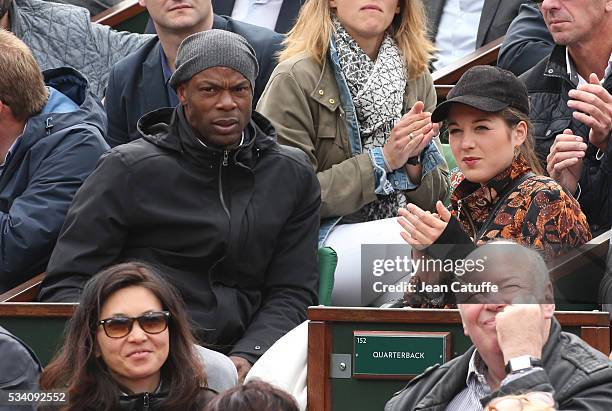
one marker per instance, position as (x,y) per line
(500,191)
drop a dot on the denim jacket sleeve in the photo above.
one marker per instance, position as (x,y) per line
(387,183)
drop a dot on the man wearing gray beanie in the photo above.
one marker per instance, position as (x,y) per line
(210,199)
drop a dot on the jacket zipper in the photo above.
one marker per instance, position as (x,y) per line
(145,403)
(469,218)
(224,163)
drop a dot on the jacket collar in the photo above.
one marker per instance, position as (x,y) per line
(168,129)
(477,196)
(454,379)
(556,64)
(16,20)
(326,91)
(450,384)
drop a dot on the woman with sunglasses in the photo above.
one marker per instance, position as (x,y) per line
(129,346)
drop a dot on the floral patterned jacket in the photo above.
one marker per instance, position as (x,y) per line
(538,213)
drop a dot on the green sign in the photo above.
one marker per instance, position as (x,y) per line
(396,354)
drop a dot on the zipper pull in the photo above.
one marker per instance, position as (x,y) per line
(225,158)
(145,404)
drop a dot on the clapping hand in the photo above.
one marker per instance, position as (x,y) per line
(412,133)
(593,105)
(422,228)
(564,163)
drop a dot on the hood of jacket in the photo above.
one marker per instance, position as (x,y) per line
(70,102)
(167,128)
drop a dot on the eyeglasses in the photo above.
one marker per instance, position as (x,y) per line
(152,323)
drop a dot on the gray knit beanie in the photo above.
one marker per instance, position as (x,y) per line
(214,48)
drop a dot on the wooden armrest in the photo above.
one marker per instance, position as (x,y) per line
(24,292)
(119,13)
(486,54)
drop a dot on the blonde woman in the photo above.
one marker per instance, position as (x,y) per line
(352,90)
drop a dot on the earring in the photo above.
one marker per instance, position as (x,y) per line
(517,151)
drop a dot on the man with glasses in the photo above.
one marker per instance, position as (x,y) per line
(210,199)
(571,103)
(518,344)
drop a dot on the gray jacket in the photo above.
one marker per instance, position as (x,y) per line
(62,35)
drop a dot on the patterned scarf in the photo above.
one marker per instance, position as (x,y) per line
(377,88)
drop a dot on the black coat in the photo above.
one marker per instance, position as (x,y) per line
(494,21)
(136,83)
(286,17)
(548,84)
(579,377)
(19,368)
(154,401)
(239,239)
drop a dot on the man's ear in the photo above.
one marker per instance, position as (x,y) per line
(465,331)
(548,310)
(181,92)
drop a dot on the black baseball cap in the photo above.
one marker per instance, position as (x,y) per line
(485,88)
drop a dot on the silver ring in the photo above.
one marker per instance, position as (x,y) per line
(410,136)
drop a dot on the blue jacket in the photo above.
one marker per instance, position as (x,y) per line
(48,163)
(136,84)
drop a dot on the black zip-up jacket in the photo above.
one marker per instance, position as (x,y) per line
(154,401)
(235,231)
(579,377)
(548,84)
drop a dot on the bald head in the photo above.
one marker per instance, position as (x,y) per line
(519,273)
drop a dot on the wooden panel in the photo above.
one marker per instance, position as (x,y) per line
(36,310)
(442,91)
(435,316)
(25,292)
(486,54)
(597,337)
(319,351)
(119,13)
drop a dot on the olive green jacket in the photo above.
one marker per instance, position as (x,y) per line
(302,100)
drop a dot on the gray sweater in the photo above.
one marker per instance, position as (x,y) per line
(62,35)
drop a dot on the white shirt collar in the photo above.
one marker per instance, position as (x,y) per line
(576,77)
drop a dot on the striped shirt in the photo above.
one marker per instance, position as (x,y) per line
(476,387)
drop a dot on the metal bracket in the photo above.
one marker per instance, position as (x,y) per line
(341,366)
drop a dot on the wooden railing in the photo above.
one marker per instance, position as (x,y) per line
(119,13)
(445,78)
(24,292)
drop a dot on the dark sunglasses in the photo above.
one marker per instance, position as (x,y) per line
(152,323)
